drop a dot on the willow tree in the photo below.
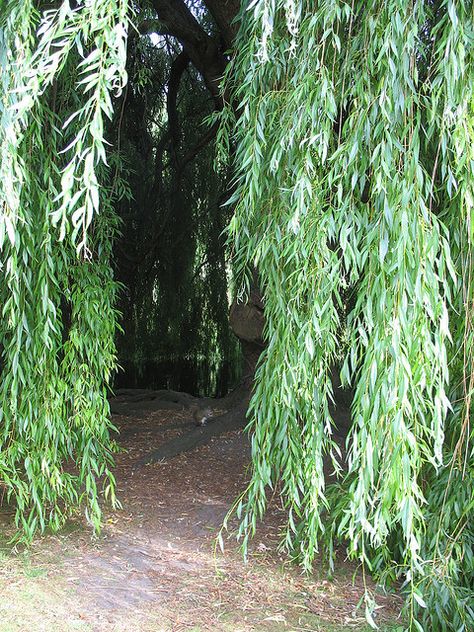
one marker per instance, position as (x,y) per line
(354,173)
(352,125)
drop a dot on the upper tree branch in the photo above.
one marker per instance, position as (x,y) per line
(224,13)
(176,19)
(179,65)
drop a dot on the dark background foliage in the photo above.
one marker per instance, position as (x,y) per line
(171,257)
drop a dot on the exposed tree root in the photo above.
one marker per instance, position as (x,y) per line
(128,401)
(231,420)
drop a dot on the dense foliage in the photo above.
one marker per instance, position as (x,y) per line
(355,172)
(60,70)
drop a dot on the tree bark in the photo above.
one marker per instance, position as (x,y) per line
(224,13)
(203,50)
(179,65)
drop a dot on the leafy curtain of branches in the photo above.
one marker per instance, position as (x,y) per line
(354,172)
(170,257)
(60,70)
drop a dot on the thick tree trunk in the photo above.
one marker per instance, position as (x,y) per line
(224,13)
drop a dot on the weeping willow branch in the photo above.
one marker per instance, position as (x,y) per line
(57,289)
(353,130)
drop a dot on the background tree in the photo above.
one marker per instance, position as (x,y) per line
(171,256)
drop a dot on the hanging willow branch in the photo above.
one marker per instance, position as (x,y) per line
(60,69)
(353,169)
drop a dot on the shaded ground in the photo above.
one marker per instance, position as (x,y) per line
(155,566)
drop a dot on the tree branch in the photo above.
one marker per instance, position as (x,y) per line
(224,13)
(179,65)
(176,19)
(193,152)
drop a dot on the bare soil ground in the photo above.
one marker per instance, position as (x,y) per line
(155,567)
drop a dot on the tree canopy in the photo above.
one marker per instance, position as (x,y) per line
(349,130)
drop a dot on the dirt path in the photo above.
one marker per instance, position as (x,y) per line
(155,566)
